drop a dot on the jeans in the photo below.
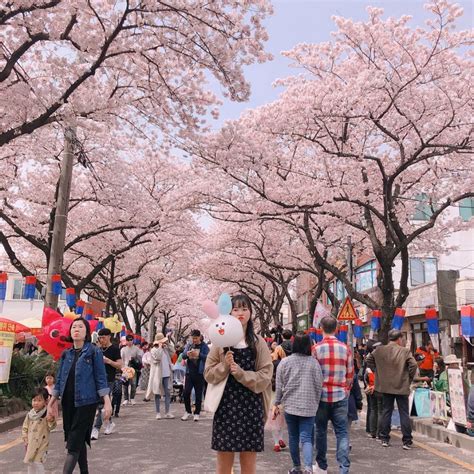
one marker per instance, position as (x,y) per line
(386,421)
(195,381)
(165,381)
(117,396)
(337,413)
(374,413)
(132,383)
(300,429)
(100,406)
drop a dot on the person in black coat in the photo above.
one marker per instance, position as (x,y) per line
(354,404)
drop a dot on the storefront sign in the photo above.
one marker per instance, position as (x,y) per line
(7,339)
(457,396)
(439,411)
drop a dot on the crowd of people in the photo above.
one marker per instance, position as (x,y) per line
(290,384)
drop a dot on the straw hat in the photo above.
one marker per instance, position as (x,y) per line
(451,359)
(160,338)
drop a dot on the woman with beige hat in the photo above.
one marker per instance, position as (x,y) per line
(161,371)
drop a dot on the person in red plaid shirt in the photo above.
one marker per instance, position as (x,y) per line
(337,365)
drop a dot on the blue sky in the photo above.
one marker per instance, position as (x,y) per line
(309,21)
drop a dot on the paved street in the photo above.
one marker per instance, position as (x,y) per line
(145,445)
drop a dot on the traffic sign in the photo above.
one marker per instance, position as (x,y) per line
(347,312)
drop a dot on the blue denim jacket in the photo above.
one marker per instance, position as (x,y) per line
(91,379)
(202,356)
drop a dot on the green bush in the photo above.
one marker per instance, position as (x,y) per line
(28,372)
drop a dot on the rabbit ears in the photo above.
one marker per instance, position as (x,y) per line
(223,306)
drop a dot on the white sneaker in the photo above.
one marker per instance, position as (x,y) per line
(109,428)
(196,417)
(158,416)
(132,401)
(316,468)
(95,434)
(125,402)
(169,416)
(186,417)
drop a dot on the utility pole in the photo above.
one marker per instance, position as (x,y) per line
(350,276)
(60,217)
(350,265)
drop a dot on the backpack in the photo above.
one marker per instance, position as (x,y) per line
(287,346)
(135,363)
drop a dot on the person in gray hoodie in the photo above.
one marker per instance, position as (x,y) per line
(299,382)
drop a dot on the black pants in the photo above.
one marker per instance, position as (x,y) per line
(73,457)
(374,413)
(386,422)
(116,396)
(196,381)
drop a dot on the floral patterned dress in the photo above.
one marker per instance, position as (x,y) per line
(238,422)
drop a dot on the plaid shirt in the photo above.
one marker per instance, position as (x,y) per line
(337,366)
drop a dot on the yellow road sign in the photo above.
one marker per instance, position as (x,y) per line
(347,311)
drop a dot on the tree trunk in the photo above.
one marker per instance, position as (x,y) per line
(388,302)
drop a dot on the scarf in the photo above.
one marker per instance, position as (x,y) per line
(34,415)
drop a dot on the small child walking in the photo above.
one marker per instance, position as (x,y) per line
(35,432)
(54,409)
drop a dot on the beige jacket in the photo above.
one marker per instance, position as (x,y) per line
(35,434)
(395,367)
(155,380)
(259,381)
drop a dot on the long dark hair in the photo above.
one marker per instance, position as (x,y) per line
(242,300)
(301,344)
(87,326)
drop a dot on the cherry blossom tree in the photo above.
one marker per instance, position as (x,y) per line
(376,127)
(243,258)
(125,198)
(129,61)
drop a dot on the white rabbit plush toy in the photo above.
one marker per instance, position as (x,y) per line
(223,330)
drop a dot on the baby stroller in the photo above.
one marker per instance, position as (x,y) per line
(178,383)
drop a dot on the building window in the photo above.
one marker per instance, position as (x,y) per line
(339,290)
(19,288)
(422,270)
(366,276)
(423,210)
(466,209)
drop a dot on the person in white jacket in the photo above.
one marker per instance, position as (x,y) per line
(161,374)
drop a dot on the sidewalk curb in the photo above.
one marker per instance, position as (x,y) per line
(426,427)
(12,421)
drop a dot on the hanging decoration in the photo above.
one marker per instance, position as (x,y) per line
(467,321)
(80,307)
(398,318)
(376,322)
(30,289)
(431,316)
(71,297)
(3,289)
(342,333)
(89,316)
(358,329)
(56,286)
